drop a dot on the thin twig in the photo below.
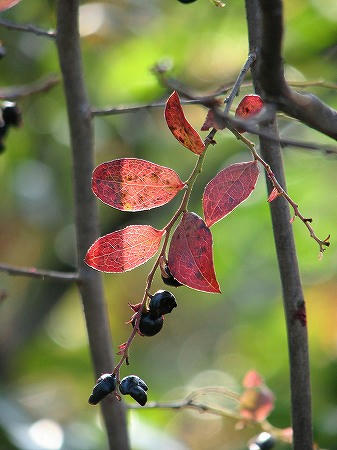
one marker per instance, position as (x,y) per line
(15,92)
(281,192)
(236,87)
(37,273)
(28,28)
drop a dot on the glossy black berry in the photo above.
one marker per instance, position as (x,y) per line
(186,1)
(106,384)
(11,114)
(168,278)
(134,386)
(149,325)
(129,381)
(138,394)
(265,441)
(162,302)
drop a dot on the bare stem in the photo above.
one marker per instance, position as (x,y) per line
(86,214)
(37,273)
(28,29)
(282,193)
(15,92)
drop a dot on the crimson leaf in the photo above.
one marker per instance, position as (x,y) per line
(6,4)
(124,249)
(228,189)
(132,184)
(249,106)
(190,257)
(180,127)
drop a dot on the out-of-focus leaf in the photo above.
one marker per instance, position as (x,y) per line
(6,4)
(249,106)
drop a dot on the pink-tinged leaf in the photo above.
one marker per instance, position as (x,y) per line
(190,258)
(287,435)
(211,122)
(252,379)
(6,4)
(124,249)
(132,184)
(249,106)
(274,194)
(180,127)
(256,403)
(228,189)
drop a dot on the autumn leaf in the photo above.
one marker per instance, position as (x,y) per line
(211,122)
(132,184)
(6,4)
(273,195)
(249,106)
(257,400)
(180,127)
(190,257)
(228,189)
(124,249)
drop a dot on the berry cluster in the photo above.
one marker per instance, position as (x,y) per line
(151,320)
(150,323)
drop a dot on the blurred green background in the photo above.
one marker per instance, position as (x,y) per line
(45,369)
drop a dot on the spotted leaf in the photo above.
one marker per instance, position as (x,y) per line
(228,189)
(190,258)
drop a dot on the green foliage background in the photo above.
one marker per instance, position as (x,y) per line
(209,339)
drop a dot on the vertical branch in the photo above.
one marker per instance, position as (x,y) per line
(293,299)
(86,217)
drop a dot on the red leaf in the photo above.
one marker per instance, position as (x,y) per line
(257,400)
(6,4)
(210,122)
(252,379)
(180,127)
(124,249)
(274,194)
(190,256)
(132,184)
(249,106)
(228,189)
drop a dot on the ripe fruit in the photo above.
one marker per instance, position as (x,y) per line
(186,1)
(106,383)
(11,116)
(148,324)
(135,387)
(162,302)
(168,278)
(264,441)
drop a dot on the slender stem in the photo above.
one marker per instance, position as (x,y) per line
(28,28)
(293,298)
(43,85)
(167,229)
(236,88)
(86,214)
(37,273)
(281,192)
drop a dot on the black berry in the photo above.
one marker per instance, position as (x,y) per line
(162,302)
(134,386)
(106,383)
(168,278)
(265,441)
(186,1)
(11,114)
(149,325)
